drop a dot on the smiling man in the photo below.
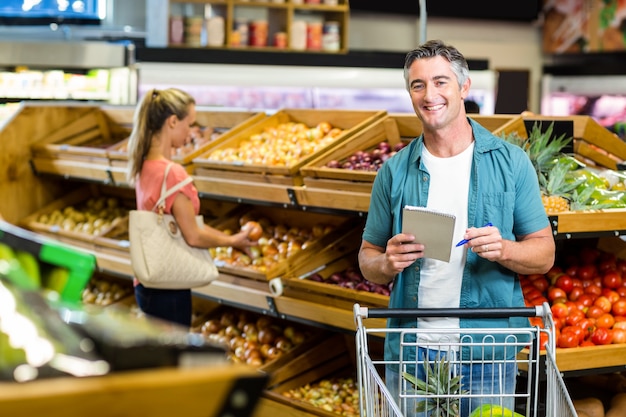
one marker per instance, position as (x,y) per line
(458,167)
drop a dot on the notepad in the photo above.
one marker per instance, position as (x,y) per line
(432,228)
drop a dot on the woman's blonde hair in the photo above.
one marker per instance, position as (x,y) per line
(153,110)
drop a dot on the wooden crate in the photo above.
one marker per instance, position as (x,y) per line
(80,147)
(331,359)
(218,125)
(328,293)
(593,143)
(394,128)
(349,121)
(78,199)
(285,224)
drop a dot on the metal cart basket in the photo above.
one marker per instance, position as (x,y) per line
(432,377)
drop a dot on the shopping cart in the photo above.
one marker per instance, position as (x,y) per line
(453,358)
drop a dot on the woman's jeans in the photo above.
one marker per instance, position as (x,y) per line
(170,305)
(479,378)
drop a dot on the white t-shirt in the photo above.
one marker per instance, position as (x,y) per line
(440,282)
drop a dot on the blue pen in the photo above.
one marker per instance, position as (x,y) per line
(464,241)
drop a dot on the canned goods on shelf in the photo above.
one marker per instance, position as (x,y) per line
(314,36)
(298,35)
(177,30)
(331,38)
(194,26)
(280,40)
(215,31)
(258,33)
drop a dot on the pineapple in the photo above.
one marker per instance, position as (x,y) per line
(551,166)
(445,389)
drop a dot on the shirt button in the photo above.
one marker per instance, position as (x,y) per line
(416,269)
(425,178)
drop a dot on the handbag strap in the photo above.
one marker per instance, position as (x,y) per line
(165,192)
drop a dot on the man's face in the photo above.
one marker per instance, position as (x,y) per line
(435,93)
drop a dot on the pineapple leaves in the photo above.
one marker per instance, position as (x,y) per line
(443,389)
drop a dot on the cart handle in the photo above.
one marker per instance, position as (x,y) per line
(398,313)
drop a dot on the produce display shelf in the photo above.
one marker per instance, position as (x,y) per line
(595,222)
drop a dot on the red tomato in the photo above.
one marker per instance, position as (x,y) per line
(575,293)
(606,320)
(619,336)
(541,284)
(619,325)
(533,293)
(586,272)
(572,270)
(593,312)
(611,294)
(585,300)
(588,326)
(587,343)
(593,289)
(619,307)
(621,266)
(538,301)
(622,290)
(578,331)
(577,282)
(567,340)
(554,272)
(559,322)
(554,293)
(543,339)
(559,310)
(604,303)
(574,317)
(564,282)
(602,336)
(607,262)
(612,279)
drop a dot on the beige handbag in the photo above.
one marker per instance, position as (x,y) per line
(160,257)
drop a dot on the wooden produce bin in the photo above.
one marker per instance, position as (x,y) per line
(218,125)
(200,391)
(257,181)
(105,243)
(337,258)
(79,148)
(593,143)
(331,360)
(350,189)
(282,229)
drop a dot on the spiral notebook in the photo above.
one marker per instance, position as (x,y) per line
(432,228)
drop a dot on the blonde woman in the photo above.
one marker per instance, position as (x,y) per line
(162,121)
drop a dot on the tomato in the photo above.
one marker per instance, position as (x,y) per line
(607,262)
(619,307)
(604,303)
(584,301)
(541,284)
(567,340)
(602,336)
(605,320)
(543,339)
(586,272)
(587,343)
(554,293)
(533,277)
(621,266)
(572,270)
(564,282)
(575,293)
(619,336)
(533,293)
(578,331)
(574,317)
(612,279)
(593,289)
(559,310)
(611,294)
(559,322)
(593,312)
(538,301)
(571,306)
(588,326)
(622,290)
(554,272)
(619,325)
(577,282)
